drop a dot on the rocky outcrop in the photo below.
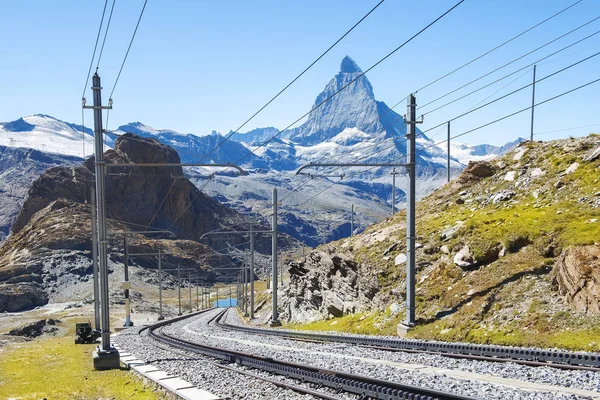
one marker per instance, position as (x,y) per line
(328,284)
(50,245)
(21,296)
(476,170)
(577,277)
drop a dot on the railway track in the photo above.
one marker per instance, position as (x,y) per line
(530,357)
(362,386)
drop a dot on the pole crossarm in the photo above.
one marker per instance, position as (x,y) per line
(317,165)
(150,165)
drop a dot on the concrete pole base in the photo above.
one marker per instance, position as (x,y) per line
(274,324)
(403,328)
(104,360)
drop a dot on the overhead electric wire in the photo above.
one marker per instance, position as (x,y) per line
(566,129)
(293,81)
(334,94)
(128,48)
(95,48)
(468,63)
(105,34)
(354,80)
(515,113)
(497,120)
(497,47)
(515,91)
(510,62)
(510,74)
(483,87)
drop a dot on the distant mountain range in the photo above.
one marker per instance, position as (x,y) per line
(352,127)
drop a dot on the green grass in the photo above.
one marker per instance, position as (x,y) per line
(55,368)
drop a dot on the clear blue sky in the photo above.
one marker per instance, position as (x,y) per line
(198,66)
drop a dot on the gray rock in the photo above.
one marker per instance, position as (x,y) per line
(503,195)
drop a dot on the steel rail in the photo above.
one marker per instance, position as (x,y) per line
(525,356)
(364,386)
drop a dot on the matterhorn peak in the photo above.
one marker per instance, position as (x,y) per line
(349,66)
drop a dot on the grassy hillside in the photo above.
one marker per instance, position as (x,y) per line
(512,222)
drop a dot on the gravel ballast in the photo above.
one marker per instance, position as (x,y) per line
(431,371)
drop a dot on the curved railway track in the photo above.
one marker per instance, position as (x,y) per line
(530,357)
(362,386)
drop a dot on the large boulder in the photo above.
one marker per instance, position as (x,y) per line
(577,277)
(476,170)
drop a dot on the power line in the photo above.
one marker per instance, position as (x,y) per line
(330,97)
(464,65)
(566,129)
(515,91)
(514,113)
(508,75)
(293,81)
(351,82)
(510,62)
(105,34)
(487,85)
(95,47)
(497,47)
(489,123)
(128,48)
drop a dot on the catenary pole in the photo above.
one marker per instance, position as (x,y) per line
(274,314)
(410,211)
(105,357)
(95,260)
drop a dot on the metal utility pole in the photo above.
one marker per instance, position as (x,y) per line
(95,260)
(251,275)
(352,221)
(217,303)
(160,302)
(197,302)
(275,314)
(179,287)
(126,284)
(190,289)
(105,357)
(229,295)
(448,144)
(410,211)
(532,101)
